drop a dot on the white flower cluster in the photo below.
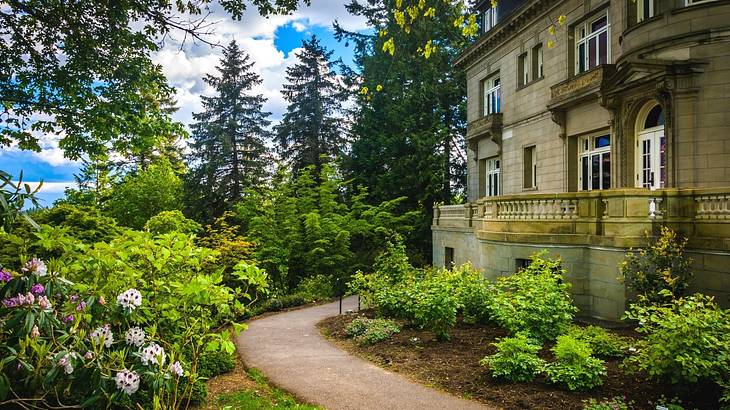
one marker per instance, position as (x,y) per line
(177,369)
(127,381)
(36,265)
(153,354)
(134,336)
(65,362)
(130,299)
(103,333)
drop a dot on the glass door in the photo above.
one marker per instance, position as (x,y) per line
(652,159)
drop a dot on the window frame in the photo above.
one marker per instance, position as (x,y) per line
(532,183)
(493,176)
(523,69)
(492,87)
(587,150)
(538,62)
(688,3)
(585,38)
(489,19)
(640,15)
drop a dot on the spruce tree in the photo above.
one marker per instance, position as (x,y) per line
(229,154)
(312,127)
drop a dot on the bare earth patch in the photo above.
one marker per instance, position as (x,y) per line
(454,366)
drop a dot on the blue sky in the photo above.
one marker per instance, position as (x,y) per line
(271,42)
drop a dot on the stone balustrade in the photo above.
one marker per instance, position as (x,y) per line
(618,217)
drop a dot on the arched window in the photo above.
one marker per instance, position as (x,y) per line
(654,118)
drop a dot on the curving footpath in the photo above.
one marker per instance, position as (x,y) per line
(290,351)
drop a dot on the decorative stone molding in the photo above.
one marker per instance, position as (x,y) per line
(580,87)
(489,126)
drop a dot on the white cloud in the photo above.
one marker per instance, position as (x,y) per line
(51,187)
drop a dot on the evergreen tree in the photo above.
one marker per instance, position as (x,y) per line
(229,155)
(311,128)
(409,120)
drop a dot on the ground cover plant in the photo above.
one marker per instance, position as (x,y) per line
(370,331)
(516,359)
(574,366)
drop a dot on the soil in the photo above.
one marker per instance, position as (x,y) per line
(454,366)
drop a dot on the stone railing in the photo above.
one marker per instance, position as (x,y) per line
(619,217)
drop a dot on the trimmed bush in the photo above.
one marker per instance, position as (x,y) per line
(534,300)
(687,341)
(214,363)
(371,331)
(574,367)
(516,359)
(603,342)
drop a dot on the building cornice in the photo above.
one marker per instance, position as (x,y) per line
(504,29)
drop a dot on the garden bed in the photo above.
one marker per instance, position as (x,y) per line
(454,366)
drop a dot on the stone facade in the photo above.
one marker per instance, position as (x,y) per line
(621,127)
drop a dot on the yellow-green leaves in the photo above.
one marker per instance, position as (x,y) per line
(389,46)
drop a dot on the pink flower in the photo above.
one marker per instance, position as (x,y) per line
(102,301)
(5,276)
(89,355)
(35,333)
(44,303)
(37,289)
(81,306)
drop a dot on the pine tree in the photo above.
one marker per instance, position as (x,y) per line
(229,154)
(409,120)
(312,127)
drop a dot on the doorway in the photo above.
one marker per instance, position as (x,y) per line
(651,144)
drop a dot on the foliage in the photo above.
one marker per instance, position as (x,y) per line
(311,132)
(95,85)
(574,367)
(144,194)
(474,293)
(171,221)
(534,300)
(316,288)
(223,237)
(84,223)
(56,339)
(229,153)
(410,114)
(660,272)
(13,196)
(604,343)
(516,359)
(686,340)
(616,403)
(429,299)
(304,228)
(371,331)
(215,362)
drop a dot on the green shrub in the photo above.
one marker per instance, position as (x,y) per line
(516,359)
(172,221)
(603,342)
(316,288)
(273,305)
(370,331)
(534,300)
(293,300)
(473,292)
(686,341)
(216,362)
(431,304)
(660,272)
(357,327)
(574,367)
(616,403)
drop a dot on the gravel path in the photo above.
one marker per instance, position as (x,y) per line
(290,351)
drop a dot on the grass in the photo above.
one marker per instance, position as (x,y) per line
(258,395)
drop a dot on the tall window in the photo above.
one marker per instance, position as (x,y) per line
(489,19)
(595,162)
(492,95)
(537,71)
(644,10)
(592,45)
(530,167)
(523,69)
(494,173)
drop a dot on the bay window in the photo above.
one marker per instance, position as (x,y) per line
(594,162)
(645,9)
(592,43)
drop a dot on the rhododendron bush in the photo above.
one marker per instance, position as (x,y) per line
(120,323)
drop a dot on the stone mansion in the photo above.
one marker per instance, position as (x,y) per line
(585,138)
